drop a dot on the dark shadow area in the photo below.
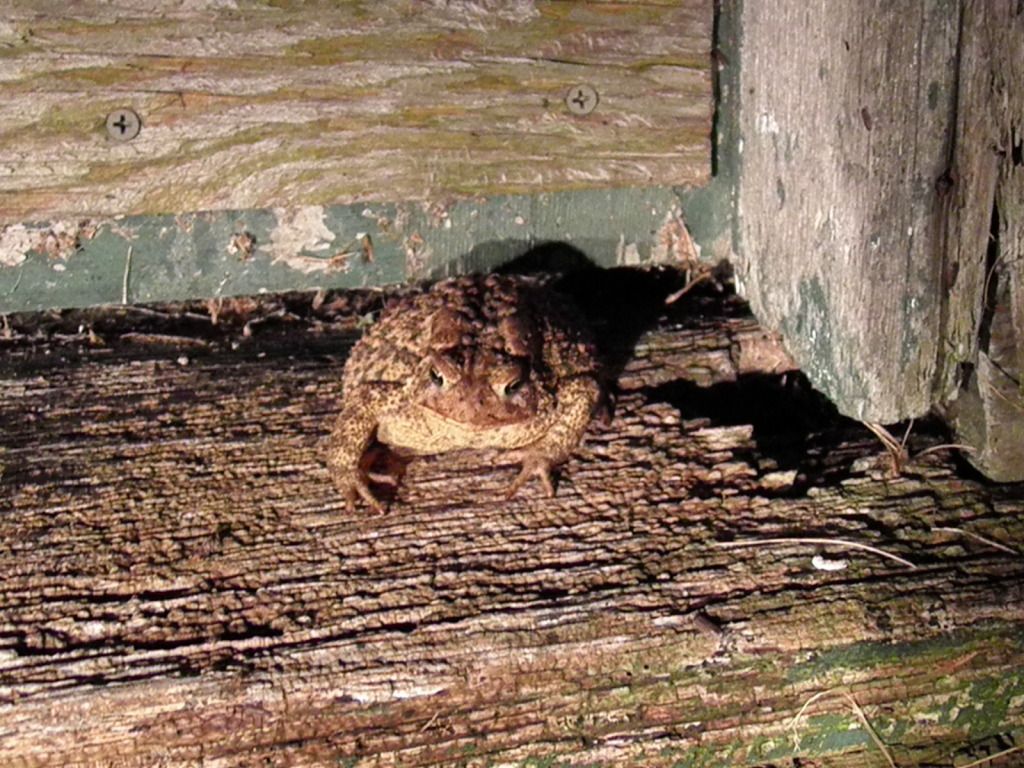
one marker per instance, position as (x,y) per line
(793,424)
(783,410)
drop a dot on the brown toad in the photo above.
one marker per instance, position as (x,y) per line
(492,361)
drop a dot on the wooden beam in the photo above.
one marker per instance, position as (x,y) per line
(179,582)
(261,105)
(218,254)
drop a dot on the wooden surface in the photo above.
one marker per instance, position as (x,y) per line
(989,290)
(846,118)
(180,585)
(264,105)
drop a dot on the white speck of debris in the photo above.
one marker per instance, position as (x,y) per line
(825,564)
(519,220)
(183,360)
(15,241)
(301,230)
(58,267)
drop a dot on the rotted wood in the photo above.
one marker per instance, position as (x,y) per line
(180,585)
(256,105)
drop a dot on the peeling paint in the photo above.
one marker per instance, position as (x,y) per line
(59,240)
(673,243)
(298,230)
(417,255)
(627,254)
(15,241)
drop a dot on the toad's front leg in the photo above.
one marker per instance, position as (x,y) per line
(576,400)
(351,436)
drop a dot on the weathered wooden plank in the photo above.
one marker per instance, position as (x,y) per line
(180,584)
(259,105)
(846,117)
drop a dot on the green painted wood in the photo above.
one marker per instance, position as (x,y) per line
(206,255)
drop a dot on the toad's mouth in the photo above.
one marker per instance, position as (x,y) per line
(481,407)
(479,418)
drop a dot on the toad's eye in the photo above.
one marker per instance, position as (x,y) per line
(436,378)
(512,387)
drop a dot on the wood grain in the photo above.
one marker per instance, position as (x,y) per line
(846,126)
(179,583)
(984,256)
(259,105)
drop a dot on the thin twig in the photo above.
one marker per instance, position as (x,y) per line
(162,338)
(944,447)
(990,758)
(430,722)
(127,273)
(700,278)
(977,537)
(168,315)
(843,543)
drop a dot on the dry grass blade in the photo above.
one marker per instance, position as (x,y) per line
(897,450)
(842,543)
(990,758)
(883,434)
(857,711)
(944,447)
(977,537)
(995,391)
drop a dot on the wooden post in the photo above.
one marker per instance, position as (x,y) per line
(874,138)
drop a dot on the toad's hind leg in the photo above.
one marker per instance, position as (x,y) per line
(576,400)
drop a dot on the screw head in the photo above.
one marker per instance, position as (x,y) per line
(123,124)
(581,99)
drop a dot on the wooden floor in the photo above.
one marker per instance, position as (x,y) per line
(181,585)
